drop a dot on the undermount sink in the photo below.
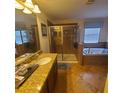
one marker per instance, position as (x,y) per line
(44,60)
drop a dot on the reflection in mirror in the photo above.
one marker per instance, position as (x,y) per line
(26,34)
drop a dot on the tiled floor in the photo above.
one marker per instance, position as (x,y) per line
(81,79)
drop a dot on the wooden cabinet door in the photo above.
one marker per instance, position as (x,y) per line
(52,78)
(45,89)
(51,81)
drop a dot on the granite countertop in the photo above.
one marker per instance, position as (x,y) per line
(38,78)
(23,57)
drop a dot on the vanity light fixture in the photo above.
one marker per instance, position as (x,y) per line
(36,9)
(29,4)
(18,5)
(28,7)
(26,11)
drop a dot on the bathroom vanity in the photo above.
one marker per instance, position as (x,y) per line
(43,78)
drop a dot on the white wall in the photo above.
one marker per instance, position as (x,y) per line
(81,31)
(27,19)
(104,30)
(78,21)
(24,19)
(44,40)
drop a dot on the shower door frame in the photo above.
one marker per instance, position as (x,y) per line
(62,36)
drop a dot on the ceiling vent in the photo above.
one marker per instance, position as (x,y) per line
(90,1)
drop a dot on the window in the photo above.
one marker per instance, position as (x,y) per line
(25,36)
(21,36)
(18,37)
(92,32)
(91,35)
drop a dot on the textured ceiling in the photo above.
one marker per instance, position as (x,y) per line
(73,9)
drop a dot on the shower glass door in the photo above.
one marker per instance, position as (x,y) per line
(69,43)
(64,42)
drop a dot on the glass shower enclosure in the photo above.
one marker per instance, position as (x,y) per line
(63,40)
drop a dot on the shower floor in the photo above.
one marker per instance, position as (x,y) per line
(67,58)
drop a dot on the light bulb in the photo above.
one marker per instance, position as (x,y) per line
(36,9)
(26,11)
(18,6)
(29,4)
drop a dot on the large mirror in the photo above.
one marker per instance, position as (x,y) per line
(26,34)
